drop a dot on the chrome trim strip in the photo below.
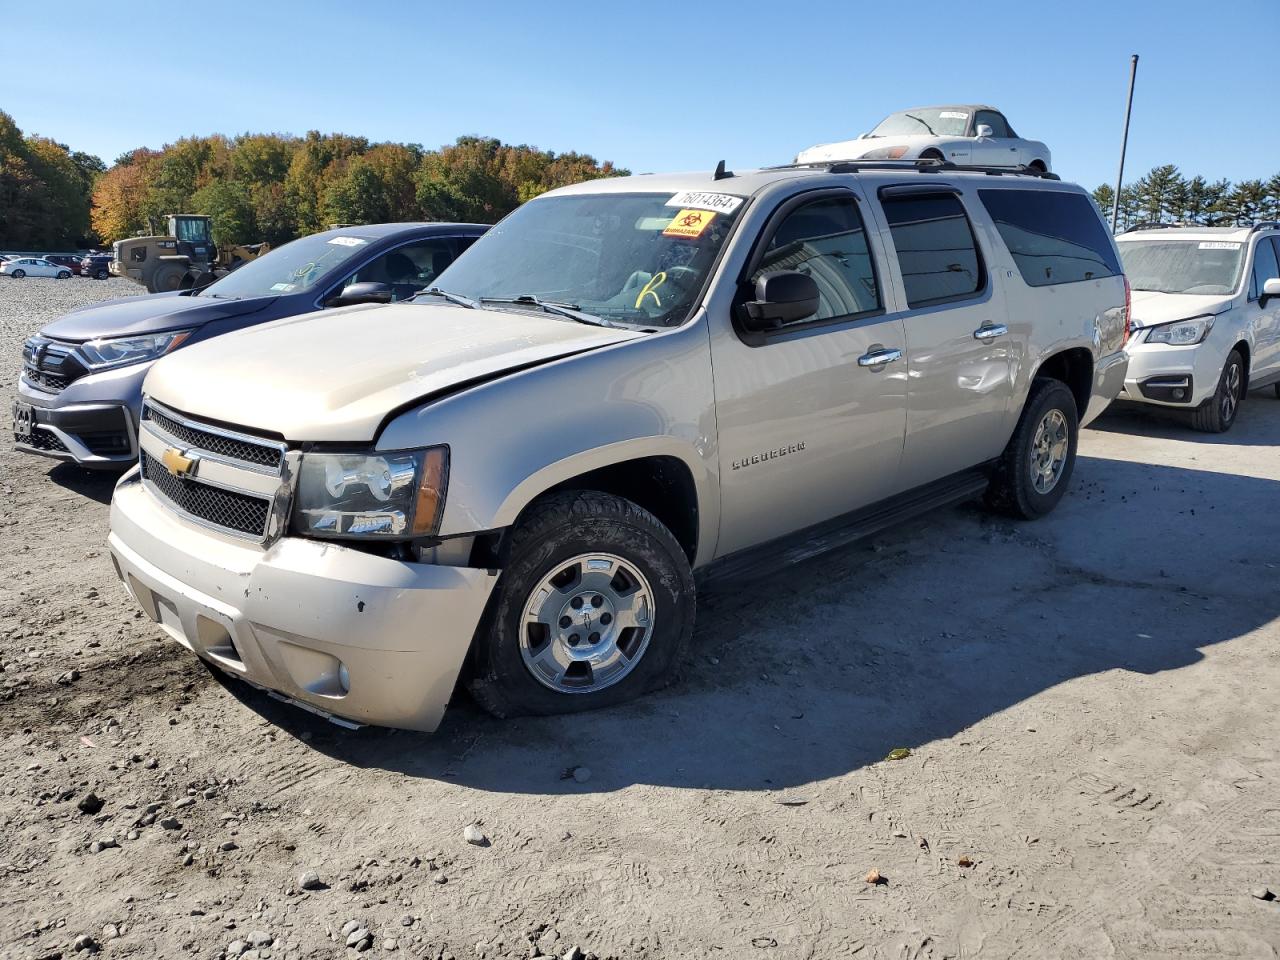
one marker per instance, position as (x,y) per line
(167,438)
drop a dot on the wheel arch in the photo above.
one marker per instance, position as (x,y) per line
(655,472)
(1074,367)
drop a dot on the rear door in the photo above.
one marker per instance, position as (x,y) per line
(959,346)
(811,417)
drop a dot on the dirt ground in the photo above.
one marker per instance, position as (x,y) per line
(1089,703)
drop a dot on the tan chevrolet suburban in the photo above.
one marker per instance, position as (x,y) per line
(626,388)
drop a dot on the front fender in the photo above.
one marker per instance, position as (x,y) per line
(515,437)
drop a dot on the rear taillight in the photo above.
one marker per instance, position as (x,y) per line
(1128,313)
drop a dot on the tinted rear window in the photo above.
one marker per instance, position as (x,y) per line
(1054,237)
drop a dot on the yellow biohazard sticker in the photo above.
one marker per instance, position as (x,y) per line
(689,223)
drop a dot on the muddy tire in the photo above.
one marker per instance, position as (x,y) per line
(595,607)
(1219,412)
(1035,469)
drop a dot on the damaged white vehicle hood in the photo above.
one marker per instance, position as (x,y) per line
(1150,308)
(335,375)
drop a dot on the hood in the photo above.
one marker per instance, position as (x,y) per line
(335,375)
(126,316)
(1149,308)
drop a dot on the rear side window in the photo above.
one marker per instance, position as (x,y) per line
(1054,237)
(936,249)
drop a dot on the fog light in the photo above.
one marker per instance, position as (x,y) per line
(344,678)
(1179,393)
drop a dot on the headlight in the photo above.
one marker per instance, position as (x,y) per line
(1182,333)
(119,351)
(393,496)
(884,153)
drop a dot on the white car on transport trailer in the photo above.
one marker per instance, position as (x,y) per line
(518,476)
(968,134)
(1206,317)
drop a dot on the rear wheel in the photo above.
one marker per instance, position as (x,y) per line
(1218,413)
(1037,166)
(100,275)
(18,274)
(1036,466)
(595,607)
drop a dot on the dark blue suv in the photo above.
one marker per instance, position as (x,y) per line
(81,385)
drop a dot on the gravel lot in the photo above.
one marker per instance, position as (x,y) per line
(1089,704)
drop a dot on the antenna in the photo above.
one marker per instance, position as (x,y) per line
(721,173)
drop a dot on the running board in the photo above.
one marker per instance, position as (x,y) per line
(767,558)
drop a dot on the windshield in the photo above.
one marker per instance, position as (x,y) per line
(936,121)
(626,257)
(1210,267)
(295,267)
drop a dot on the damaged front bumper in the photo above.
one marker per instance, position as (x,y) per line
(340,632)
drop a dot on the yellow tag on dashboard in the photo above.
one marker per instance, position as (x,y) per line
(689,223)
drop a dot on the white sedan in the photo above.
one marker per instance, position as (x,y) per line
(971,134)
(33,267)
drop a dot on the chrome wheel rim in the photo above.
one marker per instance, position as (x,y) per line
(587,623)
(1049,451)
(1231,395)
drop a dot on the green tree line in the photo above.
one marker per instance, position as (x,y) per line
(271,187)
(1164,195)
(45,190)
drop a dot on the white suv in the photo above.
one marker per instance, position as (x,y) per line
(1206,317)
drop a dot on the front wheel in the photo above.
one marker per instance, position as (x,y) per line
(64,274)
(595,607)
(1218,413)
(1035,468)
(18,274)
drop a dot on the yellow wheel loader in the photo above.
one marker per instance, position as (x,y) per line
(186,257)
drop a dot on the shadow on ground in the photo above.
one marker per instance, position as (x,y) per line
(828,666)
(94,484)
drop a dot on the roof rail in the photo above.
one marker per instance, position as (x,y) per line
(1157,225)
(923,165)
(1265,225)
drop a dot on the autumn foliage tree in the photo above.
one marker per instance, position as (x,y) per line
(44,191)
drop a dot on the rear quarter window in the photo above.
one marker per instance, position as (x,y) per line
(1054,237)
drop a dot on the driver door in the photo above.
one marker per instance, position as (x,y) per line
(811,416)
(999,149)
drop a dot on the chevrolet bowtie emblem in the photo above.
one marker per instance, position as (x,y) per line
(178,463)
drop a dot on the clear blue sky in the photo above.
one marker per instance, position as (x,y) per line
(656,86)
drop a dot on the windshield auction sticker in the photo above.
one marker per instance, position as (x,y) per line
(1219,245)
(348,241)
(719,202)
(953,115)
(689,224)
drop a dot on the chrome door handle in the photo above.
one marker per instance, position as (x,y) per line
(878,358)
(990,331)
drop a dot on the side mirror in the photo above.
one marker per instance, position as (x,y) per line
(1270,289)
(366,292)
(780,298)
(985,131)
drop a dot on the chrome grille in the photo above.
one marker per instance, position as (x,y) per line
(219,443)
(228,509)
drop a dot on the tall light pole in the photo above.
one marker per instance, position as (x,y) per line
(1124,144)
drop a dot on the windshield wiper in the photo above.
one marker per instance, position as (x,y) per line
(216,296)
(454,298)
(921,122)
(567,310)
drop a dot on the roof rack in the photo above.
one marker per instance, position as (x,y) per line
(1265,225)
(1157,225)
(923,165)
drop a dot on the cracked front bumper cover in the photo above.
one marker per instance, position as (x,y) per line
(338,631)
